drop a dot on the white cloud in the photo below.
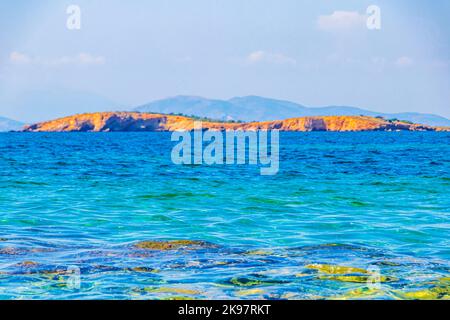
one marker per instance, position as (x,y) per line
(79,59)
(404,61)
(342,21)
(268,57)
(19,58)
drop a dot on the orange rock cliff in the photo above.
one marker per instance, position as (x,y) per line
(135,122)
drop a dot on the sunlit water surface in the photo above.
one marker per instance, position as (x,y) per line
(74,202)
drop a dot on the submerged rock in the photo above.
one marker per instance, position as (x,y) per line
(253,280)
(445,280)
(173,245)
(388,264)
(11,251)
(258,253)
(335,269)
(358,279)
(439,290)
(250,292)
(348,274)
(172,290)
(144,270)
(27,264)
(361,293)
(176,298)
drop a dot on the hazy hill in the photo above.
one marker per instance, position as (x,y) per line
(254,108)
(9,124)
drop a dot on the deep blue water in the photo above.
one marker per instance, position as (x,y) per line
(84,200)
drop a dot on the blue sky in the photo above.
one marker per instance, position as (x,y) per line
(316,53)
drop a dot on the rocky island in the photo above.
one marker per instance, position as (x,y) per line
(150,122)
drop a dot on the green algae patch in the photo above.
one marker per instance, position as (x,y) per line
(358,279)
(301,275)
(160,217)
(258,253)
(250,292)
(359,204)
(172,245)
(176,298)
(419,295)
(433,293)
(335,269)
(144,270)
(182,291)
(361,293)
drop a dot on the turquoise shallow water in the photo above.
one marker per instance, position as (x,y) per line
(376,200)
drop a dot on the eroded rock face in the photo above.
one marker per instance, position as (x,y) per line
(135,121)
(102,122)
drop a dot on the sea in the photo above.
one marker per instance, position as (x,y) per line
(349,215)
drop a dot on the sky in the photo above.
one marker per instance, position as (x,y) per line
(313,52)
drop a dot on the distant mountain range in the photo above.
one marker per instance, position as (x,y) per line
(41,105)
(254,108)
(10,125)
